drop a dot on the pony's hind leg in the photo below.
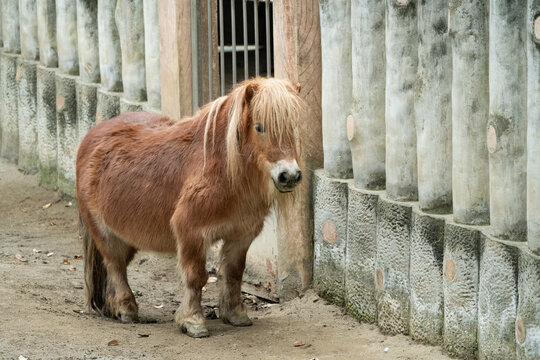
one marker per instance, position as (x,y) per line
(192,262)
(120,301)
(233,261)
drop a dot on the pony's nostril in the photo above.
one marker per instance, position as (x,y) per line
(298,177)
(282,178)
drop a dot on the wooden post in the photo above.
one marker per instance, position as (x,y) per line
(533,125)
(507,127)
(297,56)
(401,65)
(470,110)
(175,60)
(335,20)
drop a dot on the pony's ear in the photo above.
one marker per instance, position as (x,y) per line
(250,91)
(298,87)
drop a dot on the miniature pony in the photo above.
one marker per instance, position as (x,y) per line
(146,182)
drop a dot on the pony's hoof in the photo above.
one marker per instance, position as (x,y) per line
(194,330)
(235,319)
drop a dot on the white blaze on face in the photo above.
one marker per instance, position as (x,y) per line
(284,174)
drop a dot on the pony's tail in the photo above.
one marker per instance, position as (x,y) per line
(95,272)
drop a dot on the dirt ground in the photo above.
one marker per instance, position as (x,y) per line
(41,298)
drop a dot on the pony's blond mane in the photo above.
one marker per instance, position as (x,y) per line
(275,105)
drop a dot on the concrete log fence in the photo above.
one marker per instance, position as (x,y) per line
(445,111)
(61,72)
(438,250)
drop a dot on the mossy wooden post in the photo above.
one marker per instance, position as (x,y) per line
(298,58)
(66,103)
(506,131)
(46,94)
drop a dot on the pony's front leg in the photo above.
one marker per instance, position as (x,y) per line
(233,261)
(192,261)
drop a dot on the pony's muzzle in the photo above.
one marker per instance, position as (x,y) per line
(286,175)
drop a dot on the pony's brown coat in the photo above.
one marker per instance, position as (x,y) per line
(146,182)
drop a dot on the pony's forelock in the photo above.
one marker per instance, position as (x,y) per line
(275,105)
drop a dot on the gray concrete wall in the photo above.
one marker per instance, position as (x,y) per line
(497,300)
(365,125)
(425,275)
(46,22)
(392,264)
(110,56)
(86,107)
(433,107)
(460,286)
(528,316)
(506,133)
(108,105)
(401,64)
(330,236)
(28,29)
(361,252)
(533,125)
(335,16)
(426,272)
(470,110)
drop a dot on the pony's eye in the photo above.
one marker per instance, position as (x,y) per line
(259,128)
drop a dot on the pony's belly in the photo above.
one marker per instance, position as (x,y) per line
(155,244)
(143,238)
